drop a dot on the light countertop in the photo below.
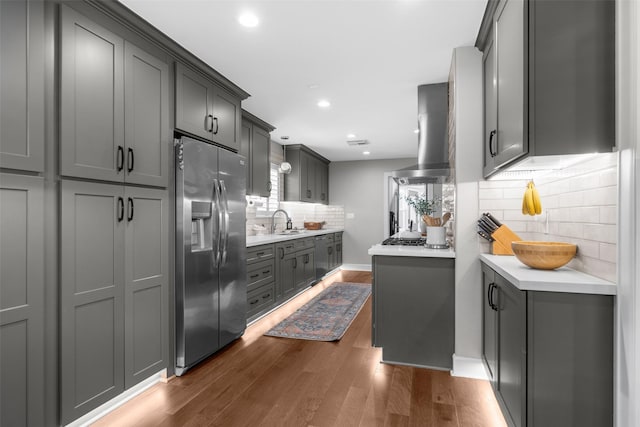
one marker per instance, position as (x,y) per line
(563,279)
(274,238)
(411,251)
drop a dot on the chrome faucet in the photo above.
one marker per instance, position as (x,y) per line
(273,217)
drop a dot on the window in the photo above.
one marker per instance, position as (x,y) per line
(268,205)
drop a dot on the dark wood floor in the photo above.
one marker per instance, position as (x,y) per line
(267,381)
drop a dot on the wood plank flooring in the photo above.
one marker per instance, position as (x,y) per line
(267,381)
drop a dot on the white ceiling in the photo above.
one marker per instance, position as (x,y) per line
(366,57)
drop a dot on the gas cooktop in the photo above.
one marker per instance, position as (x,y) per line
(404,241)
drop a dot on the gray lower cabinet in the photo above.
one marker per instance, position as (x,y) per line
(549,355)
(413,310)
(261,274)
(114,106)
(277,272)
(22,85)
(255,146)
(21,300)
(206,110)
(114,291)
(334,248)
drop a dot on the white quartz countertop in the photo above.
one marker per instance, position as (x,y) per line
(411,251)
(274,238)
(563,279)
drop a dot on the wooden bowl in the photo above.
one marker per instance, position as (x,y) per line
(309,225)
(544,255)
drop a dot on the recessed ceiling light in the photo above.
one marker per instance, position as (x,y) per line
(351,135)
(323,103)
(366,153)
(416,131)
(313,86)
(248,20)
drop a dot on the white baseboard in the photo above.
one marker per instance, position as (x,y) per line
(119,400)
(356,267)
(468,367)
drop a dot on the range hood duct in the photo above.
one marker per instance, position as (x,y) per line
(433,151)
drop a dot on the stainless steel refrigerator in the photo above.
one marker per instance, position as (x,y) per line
(211,272)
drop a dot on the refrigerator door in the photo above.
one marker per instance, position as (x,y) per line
(233,258)
(197,252)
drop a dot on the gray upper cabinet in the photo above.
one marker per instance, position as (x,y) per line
(114,291)
(146,124)
(206,110)
(91,99)
(22,379)
(503,86)
(114,107)
(549,79)
(309,177)
(22,85)
(255,146)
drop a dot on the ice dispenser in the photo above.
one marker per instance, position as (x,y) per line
(201,226)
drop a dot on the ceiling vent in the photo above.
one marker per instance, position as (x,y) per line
(358,142)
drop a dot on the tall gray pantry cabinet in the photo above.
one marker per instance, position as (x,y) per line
(22,257)
(114,127)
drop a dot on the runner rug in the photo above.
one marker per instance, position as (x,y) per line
(327,316)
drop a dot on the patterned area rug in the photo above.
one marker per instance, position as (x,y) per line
(327,316)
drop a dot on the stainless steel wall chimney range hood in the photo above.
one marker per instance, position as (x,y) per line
(433,152)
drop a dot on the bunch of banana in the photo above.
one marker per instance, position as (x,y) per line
(531,204)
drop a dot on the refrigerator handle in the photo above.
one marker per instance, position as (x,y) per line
(225,208)
(215,243)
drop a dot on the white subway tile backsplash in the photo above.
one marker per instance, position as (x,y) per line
(608,252)
(608,215)
(491,193)
(581,204)
(600,232)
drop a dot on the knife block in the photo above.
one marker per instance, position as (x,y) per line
(503,237)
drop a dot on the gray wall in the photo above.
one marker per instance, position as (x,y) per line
(359,187)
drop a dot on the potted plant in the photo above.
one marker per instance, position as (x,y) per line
(423,206)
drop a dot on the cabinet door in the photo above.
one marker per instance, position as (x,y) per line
(22,85)
(512,353)
(287,275)
(225,109)
(260,162)
(245,150)
(145,283)
(489,323)
(338,253)
(509,24)
(331,253)
(91,100)
(310,267)
(193,97)
(307,177)
(91,296)
(21,300)
(490,109)
(147,131)
(321,178)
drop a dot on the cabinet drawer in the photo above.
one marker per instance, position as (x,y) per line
(260,273)
(305,243)
(286,248)
(260,299)
(330,237)
(259,253)
(337,237)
